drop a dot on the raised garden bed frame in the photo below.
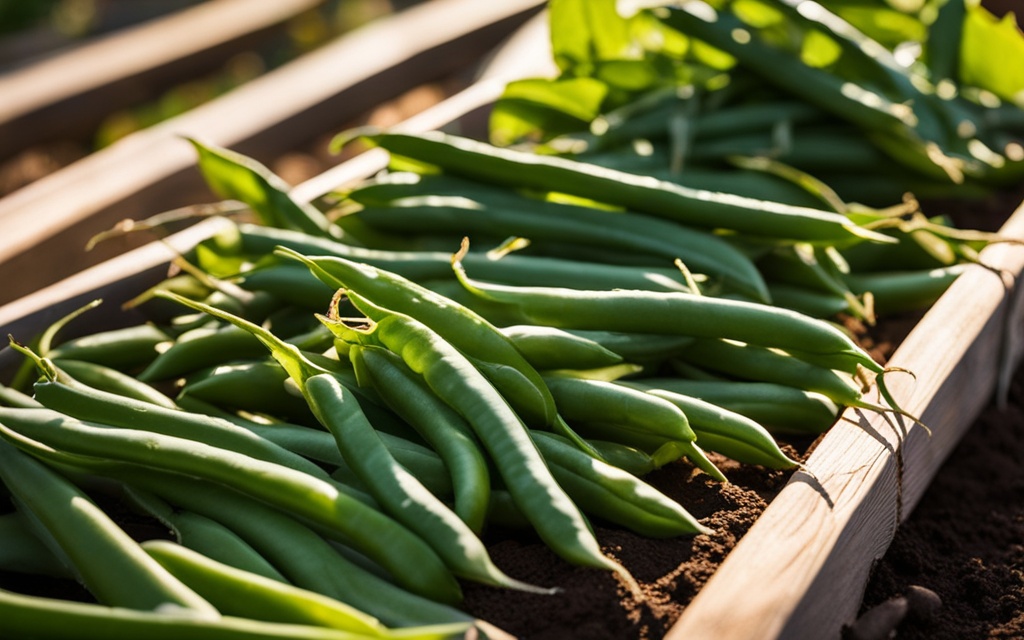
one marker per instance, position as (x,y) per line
(800,572)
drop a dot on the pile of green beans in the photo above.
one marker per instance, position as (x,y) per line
(331,408)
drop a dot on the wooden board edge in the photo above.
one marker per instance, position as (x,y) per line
(62,93)
(120,278)
(50,217)
(115,281)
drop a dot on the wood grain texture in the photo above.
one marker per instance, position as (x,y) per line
(153,170)
(801,570)
(69,94)
(121,278)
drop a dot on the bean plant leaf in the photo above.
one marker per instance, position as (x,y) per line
(586,31)
(987,38)
(234,176)
(531,106)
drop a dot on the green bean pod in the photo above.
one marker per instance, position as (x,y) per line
(105,559)
(321,502)
(613,494)
(288,282)
(122,349)
(476,338)
(11,397)
(676,314)
(248,595)
(760,364)
(445,430)
(821,88)
(545,221)
(520,382)
(112,380)
(305,558)
(589,401)
(549,348)
(91,405)
(809,302)
(21,550)
(199,349)
(635,347)
(626,458)
(50,619)
(479,160)
(398,491)
(214,540)
(726,432)
(459,384)
(779,408)
(421,266)
(899,291)
(260,386)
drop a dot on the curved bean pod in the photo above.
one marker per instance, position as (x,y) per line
(727,432)
(476,338)
(779,408)
(248,595)
(587,401)
(302,556)
(459,384)
(675,314)
(50,619)
(398,491)
(444,429)
(550,348)
(613,494)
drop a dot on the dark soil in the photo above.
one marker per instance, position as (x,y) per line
(965,539)
(596,605)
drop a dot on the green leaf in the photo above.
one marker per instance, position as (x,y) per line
(819,50)
(585,31)
(987,39)
(543,108)
(887,26)
(577,97)
(234,176)
(628,75)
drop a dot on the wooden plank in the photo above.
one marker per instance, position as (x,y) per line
(524,54)
(68,95)
(116,281)
(32,43)
(153,170)
(801,570)
(123,277)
